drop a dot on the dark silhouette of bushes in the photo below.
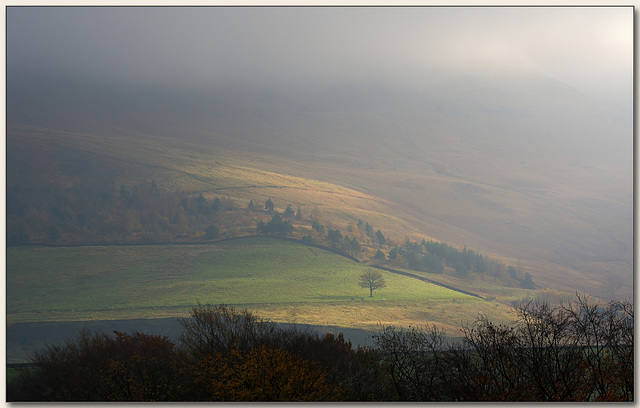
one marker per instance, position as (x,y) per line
(217,329)
(263,373)
(213,333)
(97,367)
(578,351)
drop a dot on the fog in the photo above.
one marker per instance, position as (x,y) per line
(589,48)
(530,106)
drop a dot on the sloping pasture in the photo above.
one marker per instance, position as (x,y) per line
(102,282)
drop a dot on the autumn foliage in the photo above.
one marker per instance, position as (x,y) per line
(264,373)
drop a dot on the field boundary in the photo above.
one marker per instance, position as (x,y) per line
(411,275)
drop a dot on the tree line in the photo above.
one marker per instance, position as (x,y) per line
(108,212)
(576,351)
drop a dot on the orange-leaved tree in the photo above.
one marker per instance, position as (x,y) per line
(264,373)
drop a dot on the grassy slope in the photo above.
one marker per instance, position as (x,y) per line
(402,203)
(286,281)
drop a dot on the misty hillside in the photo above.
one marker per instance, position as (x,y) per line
(521,167)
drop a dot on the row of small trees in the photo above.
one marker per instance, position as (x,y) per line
(577,351)
(427,256)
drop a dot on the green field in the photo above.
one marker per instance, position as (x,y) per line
(283,279)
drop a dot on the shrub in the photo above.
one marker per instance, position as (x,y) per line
(218,329)
(264,373)
(97,367)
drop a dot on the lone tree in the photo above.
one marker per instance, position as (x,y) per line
(373,280)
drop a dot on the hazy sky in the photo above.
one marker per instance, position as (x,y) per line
(589,48)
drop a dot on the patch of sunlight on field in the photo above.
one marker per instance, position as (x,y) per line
(244,183)
(448,314)
(158,280)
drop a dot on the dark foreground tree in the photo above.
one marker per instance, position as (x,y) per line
(372,280)
(224,355)
(415,361)
(98,367)
(217,329)
(579,351)
(263,373)
(239,356)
